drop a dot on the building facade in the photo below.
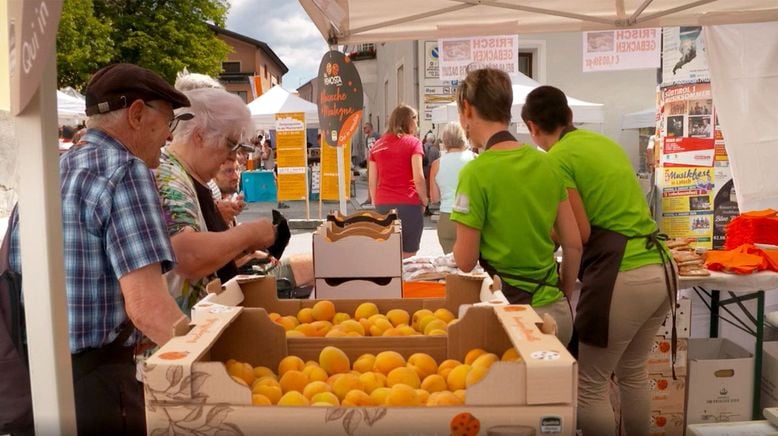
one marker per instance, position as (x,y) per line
(249,60)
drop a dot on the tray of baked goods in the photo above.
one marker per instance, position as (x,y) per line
(689,261)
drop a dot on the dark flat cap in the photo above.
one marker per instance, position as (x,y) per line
(117,86)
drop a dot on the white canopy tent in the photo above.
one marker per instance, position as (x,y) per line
(583,111)
(350,22)
(639,119)
(70,110)
(279,100)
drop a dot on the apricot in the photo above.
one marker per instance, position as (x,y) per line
(379,396)
(262,371)
(323,310)
(423,364)
(437,332)
(418,316)
(403,375)
(351,325)
(510,355)
(475,375)
(305,315)
(386,361)
(447,398)
(328,398)
(334,361)
(402,395)
(398,316)
(293,398)
(444,315)
(457,378)
(274,316)
(295,334)
(314,388)
(336,332)
(314,373)
(434,383)
(293,380)
(446,366)
(272,393)
(379,326)
(422,395)
(241,370)
(485,360)
(346,383)
(460,393)
(372,381)
(364,363)
(365,310)
(473,354)
(340,317)
(422,325)
(288,322)
(289,363)
(320,328)
(435,324)
(356,398)
(260,400)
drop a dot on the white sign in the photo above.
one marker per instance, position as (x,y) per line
(431,56)
(457,55)
(627,49)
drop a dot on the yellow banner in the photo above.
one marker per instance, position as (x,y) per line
(329,170)
(687,204)
(291,156)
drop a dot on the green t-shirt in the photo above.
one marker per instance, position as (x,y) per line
(512,198)
(601,172)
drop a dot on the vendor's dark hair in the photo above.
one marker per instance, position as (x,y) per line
(547,107)
(490,92)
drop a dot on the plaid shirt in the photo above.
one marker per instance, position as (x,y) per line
(112,224)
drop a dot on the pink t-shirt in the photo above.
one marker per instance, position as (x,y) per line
(392,154)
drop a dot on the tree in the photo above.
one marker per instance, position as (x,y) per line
(162,35)
(83,44)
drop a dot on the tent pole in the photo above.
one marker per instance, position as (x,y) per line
(574,16)
(634,17)
(40,233)
(672,11)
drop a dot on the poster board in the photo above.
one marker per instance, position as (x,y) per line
(329,171)
(291,156)
(626,49)
(456,55)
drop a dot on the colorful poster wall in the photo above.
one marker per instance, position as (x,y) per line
(329,171)
(291,156)
(697,196)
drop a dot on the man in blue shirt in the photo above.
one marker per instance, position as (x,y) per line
(116,244)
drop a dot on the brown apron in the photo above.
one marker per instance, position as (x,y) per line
(514,294)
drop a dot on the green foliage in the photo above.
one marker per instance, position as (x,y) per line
(162,35)
(83,43)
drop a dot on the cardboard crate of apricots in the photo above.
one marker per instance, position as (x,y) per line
(237,371)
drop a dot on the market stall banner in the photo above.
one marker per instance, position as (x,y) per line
(291,156)
(627,49)
(27,36)
(457,55)
(341,100)
(329,171)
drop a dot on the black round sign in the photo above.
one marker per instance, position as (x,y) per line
(340,98)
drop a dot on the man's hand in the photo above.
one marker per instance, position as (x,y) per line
(260,234)
(229,208)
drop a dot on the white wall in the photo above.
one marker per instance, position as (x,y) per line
(389,57)
(8,169)
(620,91)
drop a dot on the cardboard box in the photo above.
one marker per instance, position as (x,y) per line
(188,389)
(667,395)
(721,375)
(252,291)
(683,321)
(375,257)
(659,360)
(769,394)
(746,428)
(366,288)
(666,424)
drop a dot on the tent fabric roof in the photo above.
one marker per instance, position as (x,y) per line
(279,100)
(349,21)
(640,119)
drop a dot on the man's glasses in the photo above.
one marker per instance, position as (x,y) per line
(172,118)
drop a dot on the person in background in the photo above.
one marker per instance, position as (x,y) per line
(628,281)
(186,81)
(116,246)
(371,137)
(431,154)
(396,177)
(229,202)
(507,204)
(66,138)
(444,175)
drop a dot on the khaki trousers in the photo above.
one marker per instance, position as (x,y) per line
(560,311)
(639,305)
(447,232)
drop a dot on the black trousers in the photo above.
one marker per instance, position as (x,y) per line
(109,399)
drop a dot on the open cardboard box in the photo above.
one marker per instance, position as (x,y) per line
(375,257)
(188,389)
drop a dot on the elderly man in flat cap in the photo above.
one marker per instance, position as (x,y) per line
(116,244)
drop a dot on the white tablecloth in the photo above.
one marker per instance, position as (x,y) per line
(718,281)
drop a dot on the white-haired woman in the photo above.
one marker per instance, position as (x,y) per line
(444,175)
(203,243)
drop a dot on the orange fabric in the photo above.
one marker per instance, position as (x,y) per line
(759,226)
(760,213)
(424,290)
(745,259)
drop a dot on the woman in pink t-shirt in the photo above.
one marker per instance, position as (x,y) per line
(396,176)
